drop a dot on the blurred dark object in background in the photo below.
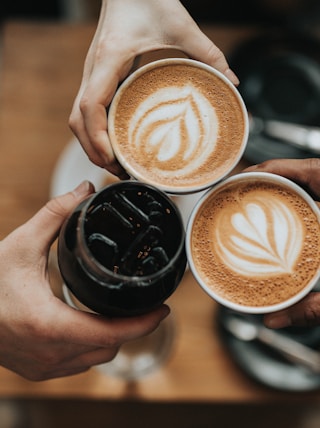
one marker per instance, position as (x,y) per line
(260,12)
(279,74)
(32,9)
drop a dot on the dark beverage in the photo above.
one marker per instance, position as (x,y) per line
(121,252)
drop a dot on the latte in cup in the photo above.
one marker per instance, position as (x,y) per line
(253,242)
(178,124)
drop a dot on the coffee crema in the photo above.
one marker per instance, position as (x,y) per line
(256,243)
(178,126)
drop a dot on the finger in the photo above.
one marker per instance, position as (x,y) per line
(76,120)
(83,328)
(290,168)
(188,37)
(77,125)
(89,123)
(78,364)
(304,313)
(305,172)
(48,220)
(67,372)
(54,374)
(103,158)
(206,51)
(92,358)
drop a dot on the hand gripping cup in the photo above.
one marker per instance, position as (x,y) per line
(121,252)
(178,124)
(253,242)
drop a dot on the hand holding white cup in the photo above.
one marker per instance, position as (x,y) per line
(253,243)
(178,124)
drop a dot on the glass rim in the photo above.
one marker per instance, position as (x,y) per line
(94,267)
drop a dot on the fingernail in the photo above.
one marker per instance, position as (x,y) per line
(232,77)
(277,321)
(84,189)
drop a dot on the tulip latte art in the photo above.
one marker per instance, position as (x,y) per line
(177,126)
(255,243)
(258,239)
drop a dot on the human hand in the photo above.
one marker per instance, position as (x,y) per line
(127,29)
(42,337)
(306,173)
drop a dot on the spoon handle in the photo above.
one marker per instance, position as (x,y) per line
(294,351)
(304,137)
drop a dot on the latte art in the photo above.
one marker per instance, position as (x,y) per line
(176,128)
(178,124)
(253,241)
(259,239)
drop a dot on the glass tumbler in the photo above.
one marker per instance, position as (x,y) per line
(121,253)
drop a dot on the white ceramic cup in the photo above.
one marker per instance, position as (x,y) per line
(253,243)
(178,124)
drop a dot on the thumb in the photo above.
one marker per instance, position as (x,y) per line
(46,223)
(304,313)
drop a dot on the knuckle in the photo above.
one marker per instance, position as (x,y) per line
(47,360)
(314,163)
(113,342)
(56,207)
(84,103)
(216,56)
(96,159)
(312,167)
(73,122)
(312,316)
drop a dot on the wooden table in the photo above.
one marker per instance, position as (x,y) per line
(41,71)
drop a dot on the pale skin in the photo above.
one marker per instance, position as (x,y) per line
(127,29)
(306,173)
(42,337)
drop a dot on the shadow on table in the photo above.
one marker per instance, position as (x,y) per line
(78,413)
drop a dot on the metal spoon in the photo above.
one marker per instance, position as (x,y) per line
(301,136)
(295,352)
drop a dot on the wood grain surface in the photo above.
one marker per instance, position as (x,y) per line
(41,69)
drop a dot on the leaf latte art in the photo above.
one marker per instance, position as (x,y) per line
(178,125)
(259,238)
(176,128)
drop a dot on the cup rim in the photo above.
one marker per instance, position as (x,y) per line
(93,265)
(141,177)
(218,298)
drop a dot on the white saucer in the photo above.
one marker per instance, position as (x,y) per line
(73,167)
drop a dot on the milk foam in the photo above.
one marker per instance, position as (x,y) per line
(175,124)
(178,126)
(261,237)
(255,243)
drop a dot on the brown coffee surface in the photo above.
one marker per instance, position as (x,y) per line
(256,244)
(178,125)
